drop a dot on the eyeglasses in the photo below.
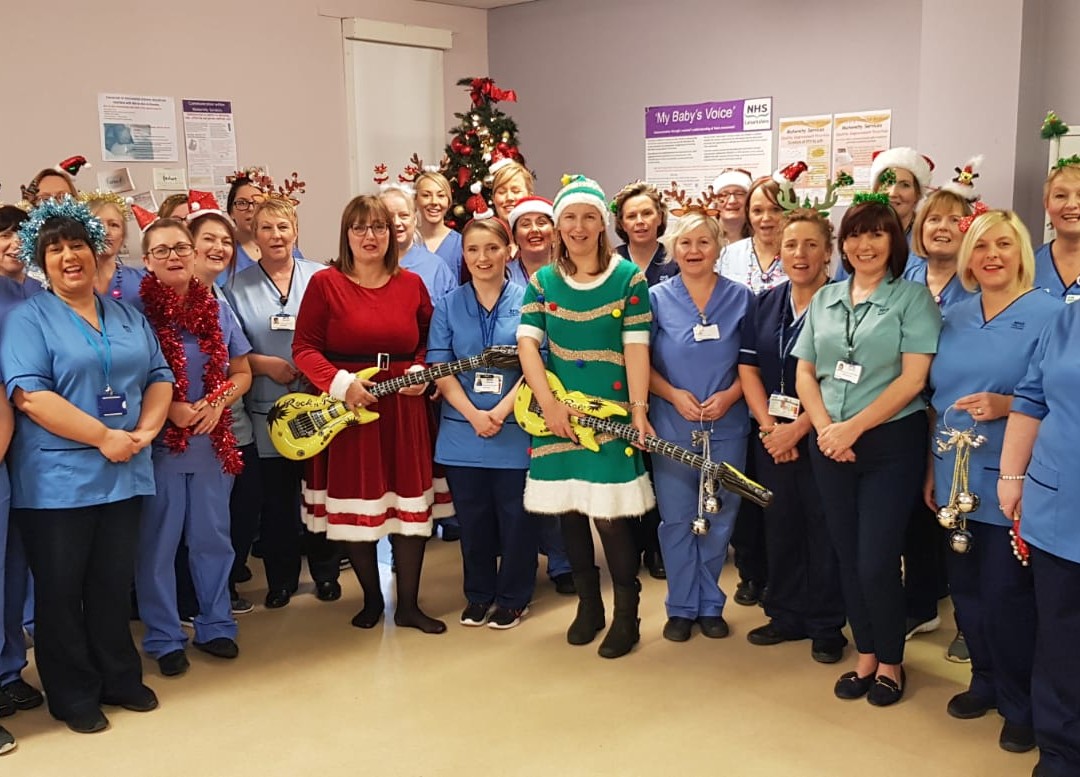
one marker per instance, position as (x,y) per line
(378,230)
(182,251)
(244,205)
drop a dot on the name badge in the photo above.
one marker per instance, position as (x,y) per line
(1071,298)
(488,383)
(848,371)
(782,406)
(706,332)
(111,405)
(283,321)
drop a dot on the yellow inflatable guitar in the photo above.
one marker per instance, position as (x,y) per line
(302,425)
(598,417)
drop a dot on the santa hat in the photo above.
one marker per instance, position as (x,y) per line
(732,177)
(919,165)
(477,205)
(203,204)
(72,165)
(530,205)
(579,190)
(963,184)
(499,160)
(788,175)
(144,217)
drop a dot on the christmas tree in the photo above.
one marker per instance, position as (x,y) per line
(484,137)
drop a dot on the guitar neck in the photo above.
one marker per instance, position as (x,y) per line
(420,377)
(652,444)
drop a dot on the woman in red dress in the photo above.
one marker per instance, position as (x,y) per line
(373,480)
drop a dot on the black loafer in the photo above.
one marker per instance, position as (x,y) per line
(885,691)
(220,647)
(277,599)
(89,722)
(22,694)
(564,584)
(328,591)
(143,700)
(713,626)
(173,664)
(450,533)
(851,686)
(771,634)
(828,650)
(678,629)
(748,593)
(243,575)
(967,706)
(654,562)
(1016,738)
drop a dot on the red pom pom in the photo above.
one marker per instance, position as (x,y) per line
(552,306)
(529,450)
(617,385)
(635,299)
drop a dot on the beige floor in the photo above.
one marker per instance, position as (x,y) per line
(310,695)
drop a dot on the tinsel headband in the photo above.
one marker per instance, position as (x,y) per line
(64,208)
(878,197)
(122,205)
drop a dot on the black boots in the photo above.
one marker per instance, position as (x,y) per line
(590,610)
(624,633)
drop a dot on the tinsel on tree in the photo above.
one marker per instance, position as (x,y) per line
(484,137)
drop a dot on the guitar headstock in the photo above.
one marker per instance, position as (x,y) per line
(503,357)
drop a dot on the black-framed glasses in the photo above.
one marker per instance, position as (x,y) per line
(378,229)
(182,250)
(245,205)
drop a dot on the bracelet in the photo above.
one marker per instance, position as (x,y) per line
(1012,477)
(639,403)
(226,389)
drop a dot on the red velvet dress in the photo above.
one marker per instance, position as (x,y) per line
(373,479)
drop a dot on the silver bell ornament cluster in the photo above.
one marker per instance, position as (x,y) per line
(962,500)
(960,540)
(700,526)
(708,501)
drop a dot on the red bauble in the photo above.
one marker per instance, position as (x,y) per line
(459,146)
(504,148)
(463,176)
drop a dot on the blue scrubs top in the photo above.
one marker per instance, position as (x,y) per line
(461,328)
(969,361)
(43,348)
(515,272)
(660,267)
(449,251)
(200,456)
(953,292)
(1047,277)
(124,286)
(1048,392)
(774,332)
(701,367)
(254,299)
(13,294)
(437,277)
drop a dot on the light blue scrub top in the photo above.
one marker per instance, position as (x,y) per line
(701,367)
(254,299)
(953,292)
(1047,277)
(978,355)
(1049,392)
(242,429)
(200,456)
(437,277)
(461,328)
(449,251)
(44,349)
(124,286)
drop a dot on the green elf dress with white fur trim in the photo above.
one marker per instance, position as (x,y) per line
(586,326)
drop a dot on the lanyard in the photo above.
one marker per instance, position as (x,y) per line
(488,321)
(283,299)
(784,347)
(849,332)
(101,347)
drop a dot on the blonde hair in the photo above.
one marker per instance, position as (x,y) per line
(436,178)
(507,172)
(1071,170)
(275,206)
(979,227)
(687,224)
(942,200)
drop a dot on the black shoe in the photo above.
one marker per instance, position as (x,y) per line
(142,700)
(564,584)
(450,533)
(475,614)
(7,706)
(967,706)
(748,593)
(7,741)
(885,691)
(243,575)
(771,634)
(713,626)
(654,562)
(625,628)
(328,591)
(173,664)
(851,686)
(589,619)
(89,722)
(221,647)
(1016,738)
(828,650)
(22,694)
(277,599)
(678,629)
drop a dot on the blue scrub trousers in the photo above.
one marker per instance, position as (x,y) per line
(195,506)
(552,545)
(694,562)
(15,579)
(490,507)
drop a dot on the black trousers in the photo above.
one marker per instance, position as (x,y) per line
(244,507)
(748,539)
(83,560)
(925,553)
(804,595)
(867,506)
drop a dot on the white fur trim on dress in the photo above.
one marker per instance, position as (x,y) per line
(350,533)
(636,337)
(532,332)
(339,386)
(596,500)
(353,533)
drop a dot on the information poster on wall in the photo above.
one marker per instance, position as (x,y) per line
(807,139)
(692,144)
(856,136)
(210,143)
(137,128)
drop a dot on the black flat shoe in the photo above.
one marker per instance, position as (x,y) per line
(277,599)
(143,700)
(564,584)
(328,591)
(771,634)
(219,647)
(713,626)
(966,706)
(173,664)
(748,593)
(22,694)
(654,562)
(89,722)
(885,691)
(1016,738)
(678,629)
(243,575)
(851,686)
(828,650)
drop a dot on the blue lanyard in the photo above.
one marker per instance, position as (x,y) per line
(101,347)
(488,321)
(784,348)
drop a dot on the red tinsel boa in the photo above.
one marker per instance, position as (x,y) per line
(197,313)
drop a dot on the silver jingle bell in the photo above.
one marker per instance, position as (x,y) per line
(700,526)
(967,501)
(960,540)
(948,517)
(712,504)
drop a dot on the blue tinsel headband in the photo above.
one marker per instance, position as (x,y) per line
(67,208)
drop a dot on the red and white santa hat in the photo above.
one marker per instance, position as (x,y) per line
(72,165)
(144,217)
(530,205)
(203,204)
(789,174)
(477,205)
(732,177)
(499,160)
(906,158)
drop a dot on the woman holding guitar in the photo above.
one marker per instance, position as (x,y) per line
(374,479)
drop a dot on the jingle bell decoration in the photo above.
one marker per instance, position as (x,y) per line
(707,499)
(700,526)
(960,540)
(712,504)
(948,517)
(967,502)
(962,500)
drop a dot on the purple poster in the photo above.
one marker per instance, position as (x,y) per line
(708,118)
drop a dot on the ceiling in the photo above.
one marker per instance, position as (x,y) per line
(483,4)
